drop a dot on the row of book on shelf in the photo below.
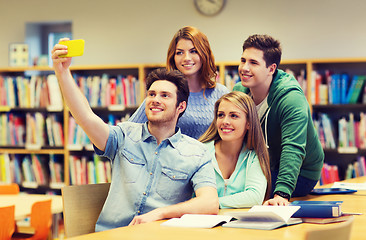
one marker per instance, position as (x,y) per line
(35,130)
(77,138)
(30,92)
(31,130)
(330,173)
(84,170)
(103,91)
(343,88)
(232,77)
(351,133)
(33,170)
(44,92)
(326,87)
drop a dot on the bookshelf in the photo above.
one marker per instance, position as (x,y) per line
(311,73)
(228,71)
(303,69)
(38,154)
(344,115)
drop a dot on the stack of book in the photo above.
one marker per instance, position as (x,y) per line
(317,209)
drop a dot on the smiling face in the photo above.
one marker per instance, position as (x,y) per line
(231,123)
(253,71)
(161,103)
(187,59)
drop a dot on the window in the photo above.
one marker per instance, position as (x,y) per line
(41,37)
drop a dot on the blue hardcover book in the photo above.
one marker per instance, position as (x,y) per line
(336,89)
(357,90)
(344,88)
(352,88)
(317,209)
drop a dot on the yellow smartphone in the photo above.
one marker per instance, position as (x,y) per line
(75,47)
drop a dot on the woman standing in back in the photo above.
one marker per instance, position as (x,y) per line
(190,52)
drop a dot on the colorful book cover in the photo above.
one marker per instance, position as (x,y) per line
(317,209)
(344,88)
(328,131)
(113,95)
(356,92)
(335,88)
(362,164)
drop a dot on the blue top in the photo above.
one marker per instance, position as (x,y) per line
(146,176)
(246,186)
(198,115)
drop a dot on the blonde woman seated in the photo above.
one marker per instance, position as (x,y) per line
(240,156)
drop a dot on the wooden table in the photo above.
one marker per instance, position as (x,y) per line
(23,206)
(355,202)
(23,203)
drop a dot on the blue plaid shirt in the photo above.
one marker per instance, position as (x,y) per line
(146,175)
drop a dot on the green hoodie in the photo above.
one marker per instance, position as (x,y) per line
(294,146)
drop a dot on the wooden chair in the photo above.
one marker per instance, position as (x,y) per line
(338,231)
(11,188)
(7,222)
(40,222)
(82,205)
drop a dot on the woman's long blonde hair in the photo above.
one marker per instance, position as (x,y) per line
(253,138)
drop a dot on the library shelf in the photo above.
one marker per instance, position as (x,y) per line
(227,71)
(18,149)
(345,117)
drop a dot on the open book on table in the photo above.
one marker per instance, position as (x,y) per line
(197,221)
(264,217)
(258,217)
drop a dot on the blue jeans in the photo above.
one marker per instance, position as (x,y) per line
(303,186)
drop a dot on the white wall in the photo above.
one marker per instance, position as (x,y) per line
(139,31)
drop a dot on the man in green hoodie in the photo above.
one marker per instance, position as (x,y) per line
(295,152)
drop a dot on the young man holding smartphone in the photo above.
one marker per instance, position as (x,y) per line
(155,168)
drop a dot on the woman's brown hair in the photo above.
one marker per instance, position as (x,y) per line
(200,42)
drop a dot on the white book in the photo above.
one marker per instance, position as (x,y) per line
(264,217)
(101,172)
(197,221)
(95,88)
(11,100)
(51,165)
(72,164)
(329,138)
(54,93)
(40,123)
(362,130)
(51,141)
(91,172)
(56,131)
(38,90)
(355,186)
(351,131)
(31,90)
(21,91)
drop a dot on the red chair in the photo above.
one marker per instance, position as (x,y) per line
(11,188)
(40,221)
(7,223)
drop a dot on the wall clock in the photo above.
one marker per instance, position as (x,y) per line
(209,7)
